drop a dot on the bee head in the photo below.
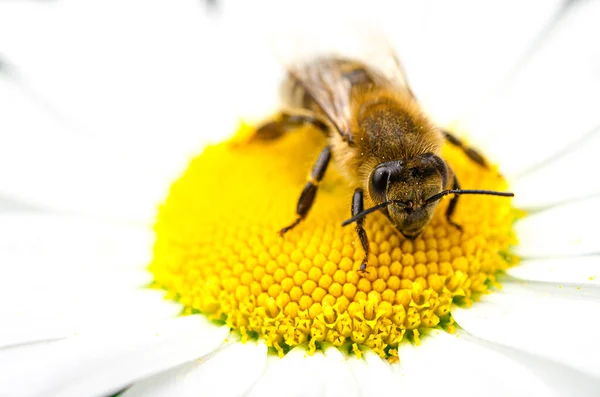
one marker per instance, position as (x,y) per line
(408,184)
(408,191)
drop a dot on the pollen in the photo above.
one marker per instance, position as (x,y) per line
(218,250)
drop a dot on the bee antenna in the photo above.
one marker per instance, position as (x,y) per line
(438,196)
(366,212)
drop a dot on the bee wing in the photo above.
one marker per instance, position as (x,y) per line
(314,62)
(325,83)
(387,68)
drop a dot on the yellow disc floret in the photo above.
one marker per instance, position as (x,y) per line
(218,251)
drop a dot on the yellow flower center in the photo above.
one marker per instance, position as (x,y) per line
(218,251)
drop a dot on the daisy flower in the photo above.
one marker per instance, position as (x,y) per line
(105,105)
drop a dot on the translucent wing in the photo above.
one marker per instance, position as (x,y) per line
(387,68)
(325,83)
(316,63)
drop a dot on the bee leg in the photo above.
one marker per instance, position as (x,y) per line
(357,208)
(285,121)
(452,205)
(469,151)
(307,197)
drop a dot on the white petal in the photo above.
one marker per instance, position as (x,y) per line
(230,371)
(65,275)
(571,170)
(461,51)
(338,374)
(559,323)
(562,379)
(103,363)
(105,129)
(45,242)
(73,172)
(566,230)
(551,102)
(580,271)
(298,374)
(464,369)
(8,204)
(45,316)
(17,330)
(291,375)
(374,376)
(158,89)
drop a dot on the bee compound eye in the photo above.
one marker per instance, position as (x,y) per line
(379,180)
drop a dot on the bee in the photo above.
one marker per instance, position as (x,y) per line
(381,140)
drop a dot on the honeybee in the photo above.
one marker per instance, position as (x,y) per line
(382,141)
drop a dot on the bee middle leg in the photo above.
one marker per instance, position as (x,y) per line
(307,197)
(357,208)
(452,205)
(469,151)
(285,121)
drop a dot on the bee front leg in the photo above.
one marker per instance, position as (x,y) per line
(452,205)
(307,197)
(285,121)
(357,208)
(469,151)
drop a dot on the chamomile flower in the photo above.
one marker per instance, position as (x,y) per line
(107,110)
